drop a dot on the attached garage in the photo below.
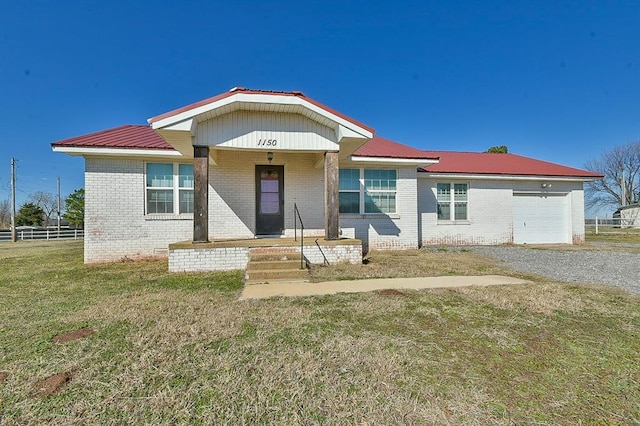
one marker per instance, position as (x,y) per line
(541,219)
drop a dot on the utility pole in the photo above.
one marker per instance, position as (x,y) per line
(58,206)
(623,186)
(13,200)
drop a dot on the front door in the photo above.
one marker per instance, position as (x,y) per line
(269,200)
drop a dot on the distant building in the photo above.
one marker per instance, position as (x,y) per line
(629,216)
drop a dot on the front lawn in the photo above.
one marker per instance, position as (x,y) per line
(182,349)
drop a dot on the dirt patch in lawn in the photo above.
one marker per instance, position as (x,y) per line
(390,292)
(52,384)
(80,333)
(3,376)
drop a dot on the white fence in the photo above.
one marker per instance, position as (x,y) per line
(599,225)
(43,234)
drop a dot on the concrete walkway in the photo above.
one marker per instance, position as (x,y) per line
(292,289)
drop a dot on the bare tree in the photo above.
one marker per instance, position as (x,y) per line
(5,213)
(620,186)
(47,202)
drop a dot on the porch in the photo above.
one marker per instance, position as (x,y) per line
(233,254)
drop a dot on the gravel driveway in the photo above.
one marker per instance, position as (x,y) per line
(611,267)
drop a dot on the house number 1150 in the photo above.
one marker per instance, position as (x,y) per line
(267,142)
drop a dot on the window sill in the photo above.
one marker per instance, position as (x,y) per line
(168,216)
(454,222)
(369,215)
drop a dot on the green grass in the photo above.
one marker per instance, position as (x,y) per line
(628,236)
(182,349)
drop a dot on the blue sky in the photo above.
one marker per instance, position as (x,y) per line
(554,80)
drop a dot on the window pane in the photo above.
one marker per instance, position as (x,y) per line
(444,211)
(269,186)
(460,192)
(380,202)
(444,192)
(186,175)
(186,201)
(159,201)
(349,180)
(460,211)
(349,202)
(269,202)
(160,175)
(380,180)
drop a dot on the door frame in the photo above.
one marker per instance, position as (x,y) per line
(269,223)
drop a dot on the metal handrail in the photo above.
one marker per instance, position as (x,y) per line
(326,261)
(296,218)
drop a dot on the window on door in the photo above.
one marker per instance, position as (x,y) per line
(269,192)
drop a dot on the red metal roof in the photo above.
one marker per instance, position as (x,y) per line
(237,90)
(499,164)
(143,137)
(381,147)
(128,137)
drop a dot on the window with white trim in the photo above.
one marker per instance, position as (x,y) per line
(368,191)
(169,188)
(452,201)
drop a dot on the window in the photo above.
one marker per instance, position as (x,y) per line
(169,188)
(349,190)
(452,201)
(368,191)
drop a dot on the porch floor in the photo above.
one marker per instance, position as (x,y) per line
(263,242)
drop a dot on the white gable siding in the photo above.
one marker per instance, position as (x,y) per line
(393,231)
(245,129)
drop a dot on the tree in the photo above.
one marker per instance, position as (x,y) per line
(618,164)
(29,214)
(46,201)
(501,149)
(5,213)
(74,208)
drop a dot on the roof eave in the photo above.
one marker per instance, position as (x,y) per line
(503,176)
(391,160)
(82,151)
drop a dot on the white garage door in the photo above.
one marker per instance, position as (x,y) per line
(540,219)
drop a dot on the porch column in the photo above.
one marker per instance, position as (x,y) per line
(200,194)
(331,197)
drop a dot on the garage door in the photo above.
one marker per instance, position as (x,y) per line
(540,219)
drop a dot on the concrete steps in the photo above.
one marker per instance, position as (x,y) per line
(268,266)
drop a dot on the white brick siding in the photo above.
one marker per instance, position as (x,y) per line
(117,227)
(208,259)
(392,231)
(230,258)
(576,203)
(490,211)
(115,224)
(232,199)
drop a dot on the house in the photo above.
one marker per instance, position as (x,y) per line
(628,216)
(251,163)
